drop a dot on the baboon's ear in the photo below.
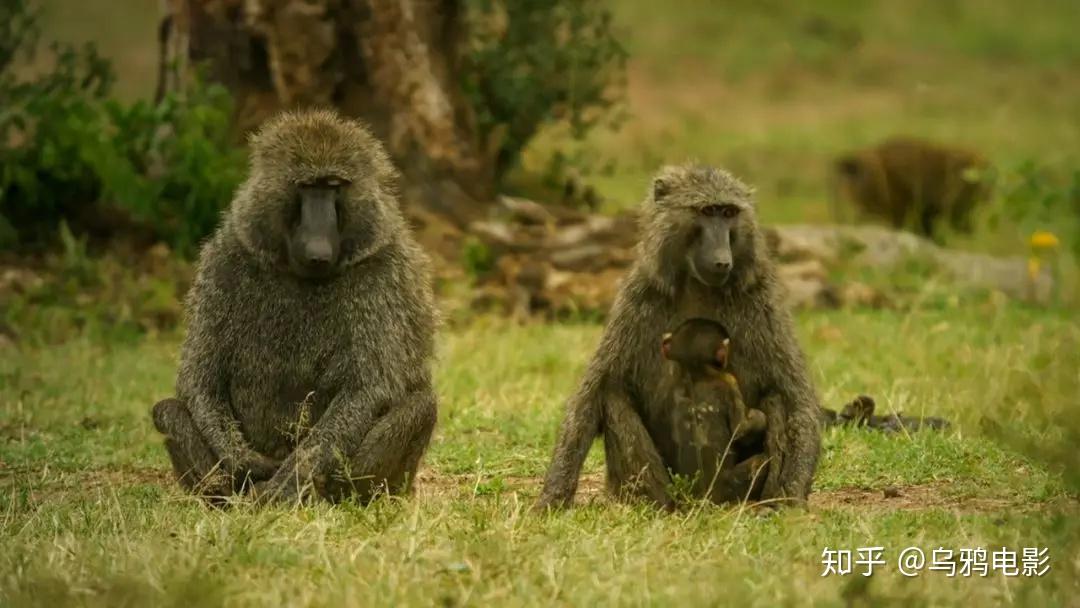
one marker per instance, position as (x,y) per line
(661,186)
(666,180)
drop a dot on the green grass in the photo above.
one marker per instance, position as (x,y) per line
(88,514)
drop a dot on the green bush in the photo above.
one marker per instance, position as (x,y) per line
(68,150)
(533,62)
(1035,198)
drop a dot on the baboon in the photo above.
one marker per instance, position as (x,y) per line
(701,255)
(914,183)
(712,427)
(310,327)
(859,412)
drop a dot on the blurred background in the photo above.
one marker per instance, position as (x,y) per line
(123,125)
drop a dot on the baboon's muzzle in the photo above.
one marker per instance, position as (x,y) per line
(317,238)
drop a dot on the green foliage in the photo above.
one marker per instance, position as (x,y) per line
(19,29)
(476,257)
(531,62)
(1035,198)
(67,148)
(186,166)
(51,145)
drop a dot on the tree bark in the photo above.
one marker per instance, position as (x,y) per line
(391,63)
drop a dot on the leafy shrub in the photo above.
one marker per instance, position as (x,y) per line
(68,150)
(532,62)
(186,166)
(1035,198)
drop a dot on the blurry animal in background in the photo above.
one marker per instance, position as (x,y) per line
(860,413)
(914,183)
(714,432)
(311,321)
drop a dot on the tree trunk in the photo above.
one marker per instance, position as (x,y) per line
(391,63)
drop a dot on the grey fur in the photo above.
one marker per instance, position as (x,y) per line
(329,378)
(623,395)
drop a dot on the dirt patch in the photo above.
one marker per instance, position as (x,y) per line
(910,497)
(905,497)
(432,484)
(48,485)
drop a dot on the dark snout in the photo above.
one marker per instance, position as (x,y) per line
(317,242)
(713,259)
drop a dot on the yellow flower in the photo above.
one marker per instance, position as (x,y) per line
(1041,239)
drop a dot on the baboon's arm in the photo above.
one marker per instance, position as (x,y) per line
(202,386)
(348,419)
(580,426)
(222,433)
(383,366)
(635,467)
(792,411)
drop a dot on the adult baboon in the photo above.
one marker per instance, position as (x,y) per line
(310,327)
(701,255)
(911,182)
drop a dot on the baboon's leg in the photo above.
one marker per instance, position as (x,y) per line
(753,424)
(634,466)
(194,463)
(744,481)
(386,460)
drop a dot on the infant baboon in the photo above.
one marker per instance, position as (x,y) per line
(859,412)
(712,427)
(914,183)
(701,255)
(310,327)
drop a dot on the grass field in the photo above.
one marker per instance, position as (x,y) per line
(89,514)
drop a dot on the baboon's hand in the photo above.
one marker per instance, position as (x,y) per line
(263,467)
(276,492)
(254,466)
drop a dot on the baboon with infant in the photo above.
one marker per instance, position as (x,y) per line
(306,365)
(720,441)
(914,183)
(701,255)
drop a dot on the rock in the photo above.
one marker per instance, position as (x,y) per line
(526,211)
(809,293)
(552,260)
(855,294)
(877,247)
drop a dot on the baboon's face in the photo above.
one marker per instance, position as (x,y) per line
(715,231)
(852,178)
(698,344)
(319,198)
(702,221)
(314,225)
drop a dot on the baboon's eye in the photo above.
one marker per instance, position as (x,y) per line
(727,211)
